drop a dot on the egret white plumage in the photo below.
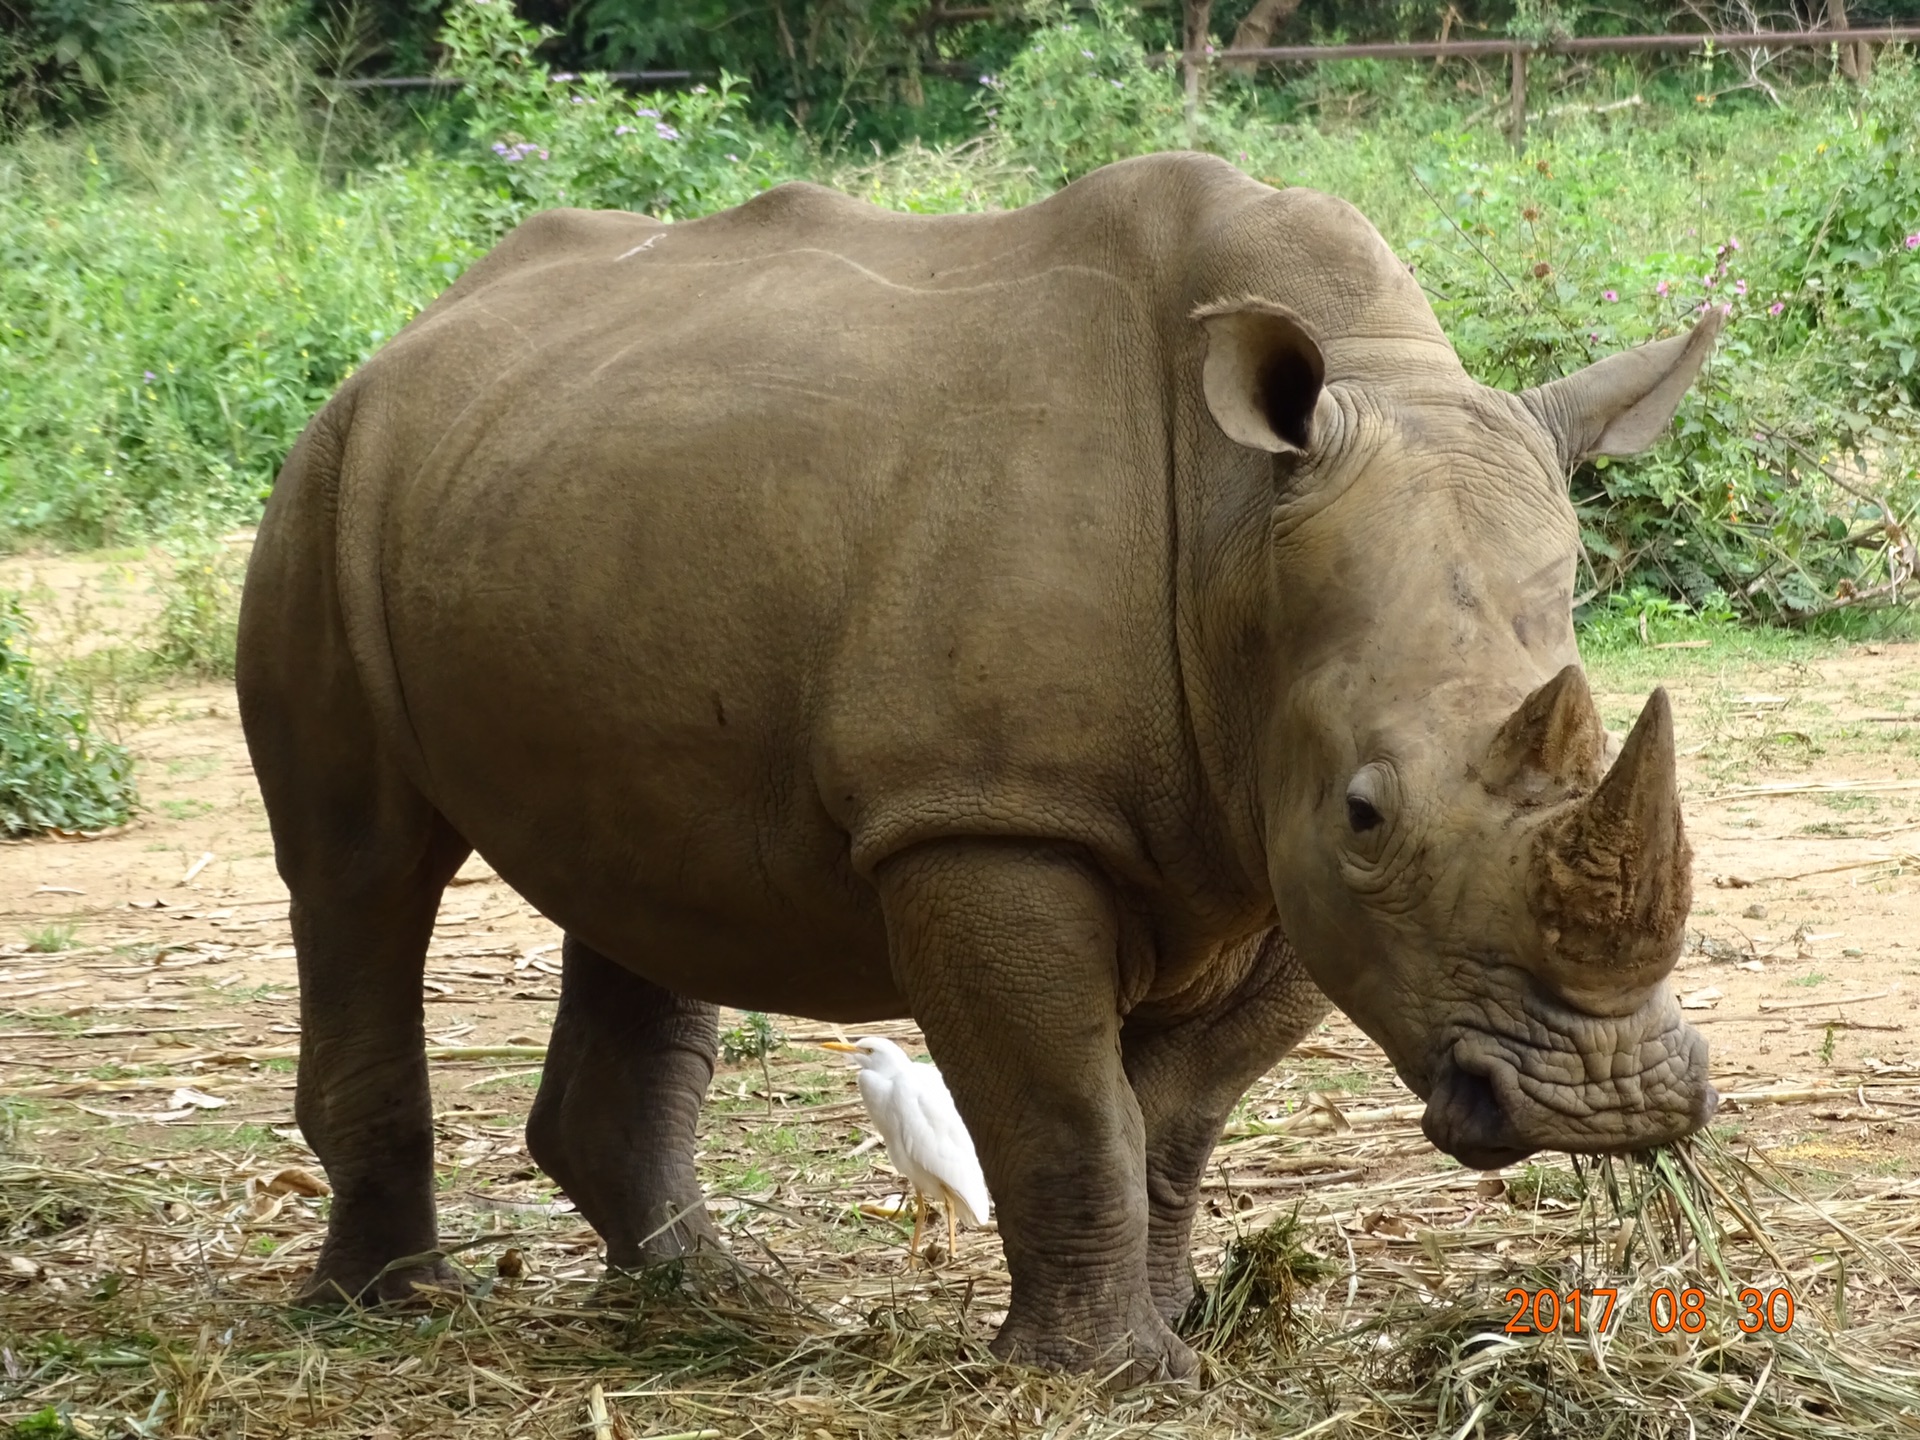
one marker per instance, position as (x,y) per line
(924,1134)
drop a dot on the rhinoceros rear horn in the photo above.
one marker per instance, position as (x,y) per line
(1551,746)
(1263,374)
(1613,875)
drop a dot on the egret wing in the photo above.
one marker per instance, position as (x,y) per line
(934,1140)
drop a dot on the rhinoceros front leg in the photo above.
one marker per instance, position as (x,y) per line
(1008,956)
(614,1122)
(1188,1077)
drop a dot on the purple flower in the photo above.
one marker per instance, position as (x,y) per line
(1610,296)
(579,99)
(1913,241)
(992,82)
(1739,287)
(1593,335)
(644,113)
(1117,84)
(1661,289)
(665,131)
(623,129)
(1732,243)
(733,157)
(1087,53)
(1711,281)
(149,377)
(1776,307)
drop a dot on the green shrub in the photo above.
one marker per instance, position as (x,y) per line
(55,773)
(199,618)
(1081,95)
(584,141)
(1852,271)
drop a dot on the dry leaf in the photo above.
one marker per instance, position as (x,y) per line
(295,1181)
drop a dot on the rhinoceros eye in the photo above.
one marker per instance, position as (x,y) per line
(1361,815)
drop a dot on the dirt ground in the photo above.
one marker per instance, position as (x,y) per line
(149,1018)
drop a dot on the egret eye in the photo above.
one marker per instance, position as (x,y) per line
(1361,815)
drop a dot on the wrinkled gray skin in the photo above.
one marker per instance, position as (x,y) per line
(1021,622)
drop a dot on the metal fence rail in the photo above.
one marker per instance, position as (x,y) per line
(1517,52)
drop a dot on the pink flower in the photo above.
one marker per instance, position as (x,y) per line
(1732,244)
(1913,241)
(1610,296)
(1661,289)
(1776,307)
(1739,287)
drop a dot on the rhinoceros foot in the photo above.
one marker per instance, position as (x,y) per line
(1132,1346)
(341,1282)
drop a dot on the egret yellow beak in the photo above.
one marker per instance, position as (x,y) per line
(841,1046)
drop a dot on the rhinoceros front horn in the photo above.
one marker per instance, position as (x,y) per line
(1611,880)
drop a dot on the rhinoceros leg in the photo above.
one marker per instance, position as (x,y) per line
(1187,1080)
(1008,957)
(614,1122)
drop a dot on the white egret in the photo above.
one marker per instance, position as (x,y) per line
(924,1134)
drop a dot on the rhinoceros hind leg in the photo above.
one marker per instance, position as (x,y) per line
(1188,1077)
(614,1122)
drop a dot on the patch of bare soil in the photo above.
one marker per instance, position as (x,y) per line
(157,1203)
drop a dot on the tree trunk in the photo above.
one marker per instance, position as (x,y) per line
(1194,51)
(1856,59)
(1257,29)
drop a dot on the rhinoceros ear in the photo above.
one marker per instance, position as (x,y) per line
(1263,374)
(1620,405)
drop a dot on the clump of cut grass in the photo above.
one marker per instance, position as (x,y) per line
(1262,1273)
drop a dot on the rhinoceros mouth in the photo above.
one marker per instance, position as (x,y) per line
(1574,1082)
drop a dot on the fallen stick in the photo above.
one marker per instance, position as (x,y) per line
(1741,882)
(1816,787)
(1770,1007)
(1280,1182)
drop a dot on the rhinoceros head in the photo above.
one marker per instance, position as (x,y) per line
(1463,858)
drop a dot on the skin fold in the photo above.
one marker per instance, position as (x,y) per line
(1107,632)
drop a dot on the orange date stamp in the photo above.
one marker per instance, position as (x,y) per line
(1544,1312)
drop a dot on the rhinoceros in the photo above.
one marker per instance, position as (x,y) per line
(1104,632)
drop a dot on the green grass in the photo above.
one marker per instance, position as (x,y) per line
(50,939)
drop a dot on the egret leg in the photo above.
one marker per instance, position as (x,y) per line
(953,1231)
(919,1224)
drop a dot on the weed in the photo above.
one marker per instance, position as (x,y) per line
(1535,1183)
(1810,979)
(50,939)
(196,631)
(55,772)
(755,1038)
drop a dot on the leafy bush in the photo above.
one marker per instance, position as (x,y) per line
(55,773)
(1082,95)
(1748,507)
(584,141)
(198,625)
(1853,267)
